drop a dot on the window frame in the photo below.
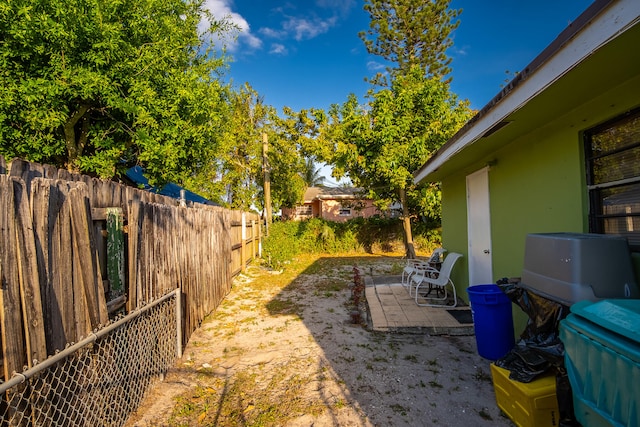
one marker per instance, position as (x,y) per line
(304,210)
(596,214)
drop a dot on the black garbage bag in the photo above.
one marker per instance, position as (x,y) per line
(539,350)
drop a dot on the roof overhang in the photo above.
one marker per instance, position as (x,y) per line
(562,76)
(340,197)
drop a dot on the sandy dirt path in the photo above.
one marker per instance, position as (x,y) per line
(282,351)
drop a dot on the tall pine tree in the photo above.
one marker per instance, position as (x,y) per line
(407,33)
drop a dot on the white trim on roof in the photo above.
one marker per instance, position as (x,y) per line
(609,24)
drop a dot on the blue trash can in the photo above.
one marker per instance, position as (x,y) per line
(492,320)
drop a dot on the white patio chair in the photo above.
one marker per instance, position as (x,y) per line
(435,281)
(414,265)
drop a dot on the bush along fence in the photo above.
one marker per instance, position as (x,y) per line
(101,285)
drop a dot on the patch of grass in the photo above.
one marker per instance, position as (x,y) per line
(435,384)
(377,337)
(330,286)
(411,357)
(393,345)
(248,399)
(367,346)
(227,351)
(399,409)
(282,306)
(481,375)
(396,268)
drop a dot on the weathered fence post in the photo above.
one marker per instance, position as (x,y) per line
(243,255)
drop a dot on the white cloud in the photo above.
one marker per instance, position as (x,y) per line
(342,6)
(222,9)
(304,29)
(460,51)
(278,49)
(375,66)
(270,32)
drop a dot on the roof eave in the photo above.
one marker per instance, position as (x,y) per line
(595,27)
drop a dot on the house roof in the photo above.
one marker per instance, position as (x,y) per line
(561,76)
(333,193)
(136,175)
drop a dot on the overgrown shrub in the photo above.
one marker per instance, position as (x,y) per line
(372,235)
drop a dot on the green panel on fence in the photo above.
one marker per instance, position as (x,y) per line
(115,249)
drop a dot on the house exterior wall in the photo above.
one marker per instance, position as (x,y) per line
(537,183)
(331,209)
(299,213)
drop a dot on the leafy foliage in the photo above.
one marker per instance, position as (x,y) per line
(380,145)
(231,178)
(410,33)
(410,112)
(288,138)
(97,85)
(287,239)
(312,176)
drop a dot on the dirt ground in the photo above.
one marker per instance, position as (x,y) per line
(282,351)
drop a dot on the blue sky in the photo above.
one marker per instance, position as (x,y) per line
(306,53)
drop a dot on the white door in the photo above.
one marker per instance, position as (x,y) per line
(479,228)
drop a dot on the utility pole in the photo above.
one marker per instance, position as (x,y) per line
(267,183)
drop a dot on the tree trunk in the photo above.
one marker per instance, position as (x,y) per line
(75,145)
(406,224)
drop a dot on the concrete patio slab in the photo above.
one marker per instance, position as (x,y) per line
(391,309)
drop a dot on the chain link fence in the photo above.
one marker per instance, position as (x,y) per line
(101,380)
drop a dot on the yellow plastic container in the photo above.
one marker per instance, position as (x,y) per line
(531,404)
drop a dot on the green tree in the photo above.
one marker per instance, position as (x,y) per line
(238,167)
(407,33)
(410,112)
(99,85)
(311,175)
(286,159)
(380,146)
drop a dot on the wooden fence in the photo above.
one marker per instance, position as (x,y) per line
(77,251)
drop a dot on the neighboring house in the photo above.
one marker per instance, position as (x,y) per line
(557,150)
(332,204)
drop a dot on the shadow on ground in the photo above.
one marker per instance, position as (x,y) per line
(283,350)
